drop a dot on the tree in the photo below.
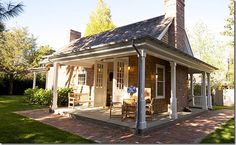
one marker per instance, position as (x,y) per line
(39,53)
(16,47)
(229,32)
(207,48)
(8,11)
(100,20)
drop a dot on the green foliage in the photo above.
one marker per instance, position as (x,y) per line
(15,47)
(43,96)
(39,53)
(207,48)
(224,134)
(15,128)
(229,32)
(229,27)
(100,20)
(222,107)
(9,10)
(63,96)
(18,54)
(38,96)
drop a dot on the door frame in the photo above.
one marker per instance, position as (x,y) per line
(126,77)
(104,83)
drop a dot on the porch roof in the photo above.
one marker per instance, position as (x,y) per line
(153,46)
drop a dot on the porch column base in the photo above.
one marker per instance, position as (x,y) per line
(142,125)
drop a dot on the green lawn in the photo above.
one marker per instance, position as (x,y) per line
(224,134)
(15,128)
(222,107)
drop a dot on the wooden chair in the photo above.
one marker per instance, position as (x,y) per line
(114,108)
(128,108)
(151,109)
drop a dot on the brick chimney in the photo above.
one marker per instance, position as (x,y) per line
(175,8)
(74,35)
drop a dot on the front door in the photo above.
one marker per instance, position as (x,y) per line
(120,80)
(100,84)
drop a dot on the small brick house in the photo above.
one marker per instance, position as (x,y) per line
(153,53)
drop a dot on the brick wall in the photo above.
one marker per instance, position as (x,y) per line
(90,76)
(175,8)
(181,88)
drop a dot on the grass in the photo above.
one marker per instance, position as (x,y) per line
(222,107)
(224,134)
(15,128)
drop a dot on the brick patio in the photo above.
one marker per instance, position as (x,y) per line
(188,131)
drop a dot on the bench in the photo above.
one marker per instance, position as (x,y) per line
(78,98)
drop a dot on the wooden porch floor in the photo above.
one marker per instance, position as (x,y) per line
(102,116)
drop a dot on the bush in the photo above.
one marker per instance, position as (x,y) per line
(38,96)
(63,96)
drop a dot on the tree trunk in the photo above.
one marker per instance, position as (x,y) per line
(11,77)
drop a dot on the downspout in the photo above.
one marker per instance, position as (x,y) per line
(139,54)
(140,109)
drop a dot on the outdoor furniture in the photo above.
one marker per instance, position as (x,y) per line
(150,108)
(78,98)
(128,108)
(114,108)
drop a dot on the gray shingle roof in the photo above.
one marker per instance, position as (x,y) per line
(152,27)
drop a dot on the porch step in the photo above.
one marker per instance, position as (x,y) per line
(117,123)
(104,123)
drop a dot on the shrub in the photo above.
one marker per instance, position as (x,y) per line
(63,96)
(38,96)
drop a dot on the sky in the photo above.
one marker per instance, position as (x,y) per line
(50,20)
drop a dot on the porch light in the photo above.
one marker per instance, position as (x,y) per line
(99,70)
(128,67)
(156,76)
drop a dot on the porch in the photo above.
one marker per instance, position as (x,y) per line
(101,116)
(107,71)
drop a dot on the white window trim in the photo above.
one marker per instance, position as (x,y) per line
(82,72)
(164,81)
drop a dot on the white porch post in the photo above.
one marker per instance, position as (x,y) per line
(55,80)
(204,97)
(141,115)
(34,80)
(192,89)
(173,101)
(209,91)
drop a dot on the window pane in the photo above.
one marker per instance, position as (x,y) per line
(160,89)
(160,74)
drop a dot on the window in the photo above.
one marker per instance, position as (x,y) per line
(99,82)
(82,77)
(160,81)
(120,75)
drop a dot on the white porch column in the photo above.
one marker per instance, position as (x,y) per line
(192,89)
(141,110)
(55,80)
(209,91)
(203,88)
(34,80)
(173,101)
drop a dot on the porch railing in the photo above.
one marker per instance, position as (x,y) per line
(196,101)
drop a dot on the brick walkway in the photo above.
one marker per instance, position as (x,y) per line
(188,131)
